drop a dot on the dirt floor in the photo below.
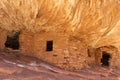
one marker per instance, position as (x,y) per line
(18,67)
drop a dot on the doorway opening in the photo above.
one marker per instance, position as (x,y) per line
(12,40)
(105,58)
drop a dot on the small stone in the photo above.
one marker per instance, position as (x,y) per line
(7,71)
(118,78)
(104,75)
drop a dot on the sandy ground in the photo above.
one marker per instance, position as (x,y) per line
(19,67)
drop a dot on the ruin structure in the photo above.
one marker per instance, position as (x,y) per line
(71,34)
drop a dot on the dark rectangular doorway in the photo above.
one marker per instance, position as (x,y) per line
(105,58)
(49,46)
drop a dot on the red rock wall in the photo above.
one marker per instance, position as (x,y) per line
(113,52)
(60,42)
(26,40)
(91,56)
(77,54)
(67,53)
(3,37)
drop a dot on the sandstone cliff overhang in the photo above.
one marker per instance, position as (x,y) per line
(91,21)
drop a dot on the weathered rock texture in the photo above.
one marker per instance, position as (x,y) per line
(67,52)
(113,52)
(3,37)
(76,27)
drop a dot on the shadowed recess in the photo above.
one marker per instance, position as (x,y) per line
(13,41)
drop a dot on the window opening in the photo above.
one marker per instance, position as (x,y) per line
(49,46)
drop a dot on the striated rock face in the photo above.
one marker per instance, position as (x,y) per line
(88,20)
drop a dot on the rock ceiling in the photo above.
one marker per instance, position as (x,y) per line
(94,22)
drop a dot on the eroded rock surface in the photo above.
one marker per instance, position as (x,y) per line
(18,67)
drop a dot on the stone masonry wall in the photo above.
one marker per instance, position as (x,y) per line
(26,40)
(67,53)
(3,37)
(113,52)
